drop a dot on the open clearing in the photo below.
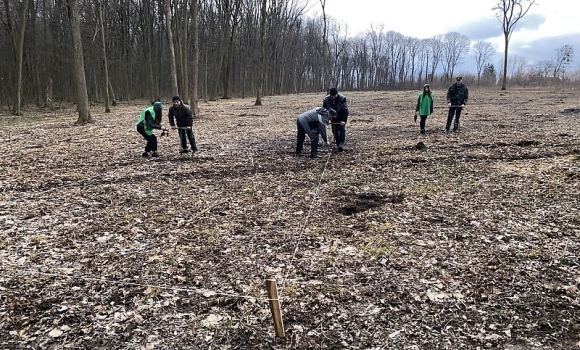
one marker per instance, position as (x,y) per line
(471,242)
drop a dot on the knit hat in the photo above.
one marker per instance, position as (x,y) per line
(426,85)
(158,104)
(332,112)
(322,111)
(176,98)
(333,91)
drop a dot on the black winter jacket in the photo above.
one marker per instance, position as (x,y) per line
(457,95)
(339,105)
(182,115)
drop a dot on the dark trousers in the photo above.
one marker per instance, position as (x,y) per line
(301,136)
(151,139)
(422,123)
(453,111)
(339,133)
(184,136)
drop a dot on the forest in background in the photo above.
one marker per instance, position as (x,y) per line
(215,52)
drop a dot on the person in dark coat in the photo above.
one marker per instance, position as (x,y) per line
(337,102)
(313,123)
(457,96)
(149,120)
(182,115)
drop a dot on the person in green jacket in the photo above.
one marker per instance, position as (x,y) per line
(150,119)
(424,106)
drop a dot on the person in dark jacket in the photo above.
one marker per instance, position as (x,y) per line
(150,119)
(424,106)
(183,115)
(337,102)
(457,96)
(313,123)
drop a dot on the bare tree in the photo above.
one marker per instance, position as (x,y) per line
(423,59)
(260,89)
(563,58)
(171,47)
(339,47)
(413,63)
(147,24)
(508,13)
(482,52)
(544,68)
(194,7)
(182,40)
(234,20)
(104,51)
(517,67)
(325,46)
(18,49)
(455,46)
(436,51)
(361,62)
(375,37)
(79,65)
(519,70)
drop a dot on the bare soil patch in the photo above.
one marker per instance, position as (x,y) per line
(469,241)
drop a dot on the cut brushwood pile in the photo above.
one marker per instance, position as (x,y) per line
(465,240)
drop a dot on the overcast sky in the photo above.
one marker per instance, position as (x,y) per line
(549,25)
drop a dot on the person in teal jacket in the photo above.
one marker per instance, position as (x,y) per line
(149,120)
(424,107)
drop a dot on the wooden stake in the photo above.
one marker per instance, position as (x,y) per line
(275,307)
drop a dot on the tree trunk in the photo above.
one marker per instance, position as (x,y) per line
(325,49)
(48,98)
(194,56)
(224,40)
(104,51)
(20,56)
(222,53)
(148,14)
(206,78)
(79,65)
(171,48)
(182,40)
(114,101)
(36,54)
(505,61)
(260,91)
(228,64)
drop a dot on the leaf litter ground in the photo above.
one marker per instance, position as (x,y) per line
(468,241)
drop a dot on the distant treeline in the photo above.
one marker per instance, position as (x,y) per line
(301,54)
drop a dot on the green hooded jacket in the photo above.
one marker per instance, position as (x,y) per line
(425,104)
(142,119)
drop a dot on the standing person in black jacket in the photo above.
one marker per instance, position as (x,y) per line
(337,102)
(457,96)
(184,116)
